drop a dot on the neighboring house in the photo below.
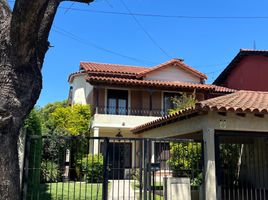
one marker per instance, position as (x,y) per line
(247,71)
(234,131)
(123,97)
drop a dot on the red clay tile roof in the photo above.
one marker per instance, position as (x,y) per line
(156,84)
(241,102)
(177,62)
(139,71)
(241,54)
(111,68)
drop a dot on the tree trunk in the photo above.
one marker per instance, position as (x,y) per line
(23,44)
(20,89)
(9,179)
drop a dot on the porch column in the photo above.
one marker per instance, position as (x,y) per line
(96,141)
(153,152)
(210,166)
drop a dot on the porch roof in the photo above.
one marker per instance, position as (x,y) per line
(239,102)
(97,80)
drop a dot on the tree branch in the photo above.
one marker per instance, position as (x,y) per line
(30,26)
(25,23)
(44,30)
(4,9)
(5,14)
(46,25)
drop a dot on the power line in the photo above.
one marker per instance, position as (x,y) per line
(165,16)
(74,37)
(85,42)
(169,16)
(69,8)
(108,3)
(144,30)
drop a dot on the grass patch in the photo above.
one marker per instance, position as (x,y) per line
(71,191)
(136,187)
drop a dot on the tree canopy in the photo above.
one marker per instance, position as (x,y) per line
(72,120)
(59,118)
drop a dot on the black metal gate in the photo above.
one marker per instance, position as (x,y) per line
(242,164)
(108,168)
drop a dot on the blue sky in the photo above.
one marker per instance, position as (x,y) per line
(79,34)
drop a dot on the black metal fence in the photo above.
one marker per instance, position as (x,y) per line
(108,168)
(242,167)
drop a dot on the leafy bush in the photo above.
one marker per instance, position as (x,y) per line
(91,168)
(135,175)
(49,172)
(183,102)
(185,159)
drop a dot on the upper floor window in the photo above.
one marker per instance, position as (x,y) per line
(168,101)
(117,102)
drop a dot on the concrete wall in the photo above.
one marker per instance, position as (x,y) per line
(249,74)
(173,73)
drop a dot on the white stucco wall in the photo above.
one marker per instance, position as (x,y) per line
(109,125)
(120,121)
(81,90)
(172,73)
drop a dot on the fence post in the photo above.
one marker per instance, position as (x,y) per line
(105,169)
(147,169)
(141,167)
(145,185)
(26,168)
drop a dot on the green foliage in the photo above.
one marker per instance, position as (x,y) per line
(48,125)
(73,120)
(49,172)
(91,168)
(136,175)
(197,180)
(32,126)
(185,160)
(230,154)
(185,157)
(183,102)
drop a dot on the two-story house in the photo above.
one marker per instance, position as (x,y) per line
(123,97)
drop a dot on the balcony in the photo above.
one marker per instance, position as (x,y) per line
(110,110)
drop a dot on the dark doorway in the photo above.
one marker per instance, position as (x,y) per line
(242,162)
(119,159)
